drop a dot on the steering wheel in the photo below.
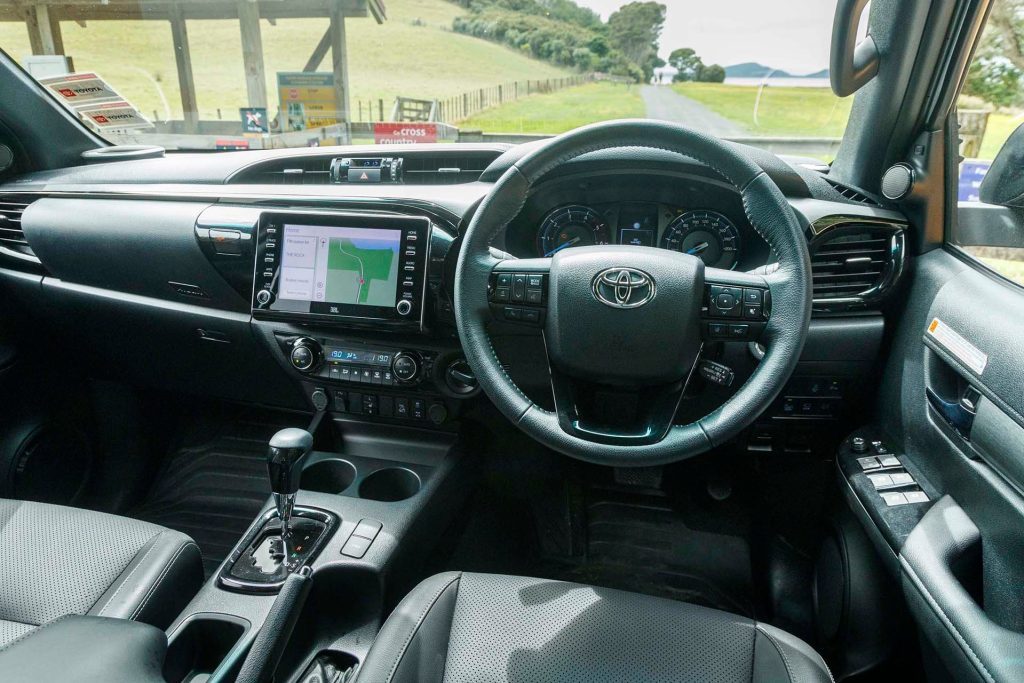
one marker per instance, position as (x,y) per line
(624,326)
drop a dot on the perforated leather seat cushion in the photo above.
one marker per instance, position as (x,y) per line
(460,628)
(61,560)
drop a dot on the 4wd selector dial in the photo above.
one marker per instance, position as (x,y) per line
(406,366)
(306,354)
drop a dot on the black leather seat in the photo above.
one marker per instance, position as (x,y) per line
(60,560)
(461,628)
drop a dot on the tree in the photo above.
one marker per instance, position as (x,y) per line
(996,72)
(713,73)
(687,63)
(634,29)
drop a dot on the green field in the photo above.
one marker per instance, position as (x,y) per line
(413,54)
(561,111)
(771,111)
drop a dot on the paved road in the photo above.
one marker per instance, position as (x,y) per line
(664,103)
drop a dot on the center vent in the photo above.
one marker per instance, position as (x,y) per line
(12,237)
(856,262)
(416,168)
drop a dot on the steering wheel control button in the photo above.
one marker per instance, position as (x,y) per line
(753,297)
(738,331)
(526,289)
(751,312)
(518,287)
(725,302)
(716,373)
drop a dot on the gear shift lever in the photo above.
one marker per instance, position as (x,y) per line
(284,457)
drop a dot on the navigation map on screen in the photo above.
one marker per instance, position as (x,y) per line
(340,265)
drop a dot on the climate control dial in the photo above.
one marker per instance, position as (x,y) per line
(406,366)
(306,354)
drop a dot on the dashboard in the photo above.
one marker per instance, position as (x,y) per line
(685,213)
(254,277)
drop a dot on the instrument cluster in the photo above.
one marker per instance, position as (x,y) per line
(704,233)
(698,218)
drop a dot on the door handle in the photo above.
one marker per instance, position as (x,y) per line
(956,414)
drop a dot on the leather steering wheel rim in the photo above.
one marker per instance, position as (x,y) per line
(790,289)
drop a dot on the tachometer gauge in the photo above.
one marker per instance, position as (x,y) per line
(706,234)
(571,226)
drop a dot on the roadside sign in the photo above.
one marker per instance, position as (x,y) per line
(396,133)
(78,90)
(972,172)
(115,116)
(254,119)
(230,145)
(308,100)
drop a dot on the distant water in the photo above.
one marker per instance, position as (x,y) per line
(782,82)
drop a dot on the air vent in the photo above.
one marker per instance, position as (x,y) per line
(852,194)
(445,169)
(856,262)
(12,237)
(417,168)
(288,171)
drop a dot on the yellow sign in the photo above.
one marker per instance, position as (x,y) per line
(308,100)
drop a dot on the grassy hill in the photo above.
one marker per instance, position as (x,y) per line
(414,54)
(563,110)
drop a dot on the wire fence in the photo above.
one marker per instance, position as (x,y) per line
(463,106)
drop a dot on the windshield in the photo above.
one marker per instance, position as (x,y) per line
(224,74)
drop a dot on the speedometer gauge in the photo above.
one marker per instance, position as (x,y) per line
(571,226)
(706,234)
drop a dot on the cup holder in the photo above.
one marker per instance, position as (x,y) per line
(328,476)
(390,485)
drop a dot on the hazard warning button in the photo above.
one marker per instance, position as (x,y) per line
(364,175)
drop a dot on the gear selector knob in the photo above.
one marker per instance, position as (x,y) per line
(284,465)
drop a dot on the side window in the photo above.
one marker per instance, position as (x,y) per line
(990,111)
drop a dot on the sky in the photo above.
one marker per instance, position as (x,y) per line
(792,35)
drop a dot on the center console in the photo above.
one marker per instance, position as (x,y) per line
(351,304)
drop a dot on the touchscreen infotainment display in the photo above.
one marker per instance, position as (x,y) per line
(339,265)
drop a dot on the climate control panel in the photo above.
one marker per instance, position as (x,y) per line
(329,360)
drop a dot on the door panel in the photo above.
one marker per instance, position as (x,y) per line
(963,566)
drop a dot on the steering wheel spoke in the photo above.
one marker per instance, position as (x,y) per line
(621,416)
(517,291)
(736,306)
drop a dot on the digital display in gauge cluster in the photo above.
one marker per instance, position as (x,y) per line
(706,234)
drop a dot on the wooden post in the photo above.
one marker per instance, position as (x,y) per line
(51,41)
(380,109)
(252,53)
(183,59)
(35,38)
(340,61)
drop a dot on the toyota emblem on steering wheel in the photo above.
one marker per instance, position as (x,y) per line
(623,287)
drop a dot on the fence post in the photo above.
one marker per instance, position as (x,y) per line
(501,95)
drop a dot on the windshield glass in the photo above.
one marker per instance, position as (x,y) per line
(225,74)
